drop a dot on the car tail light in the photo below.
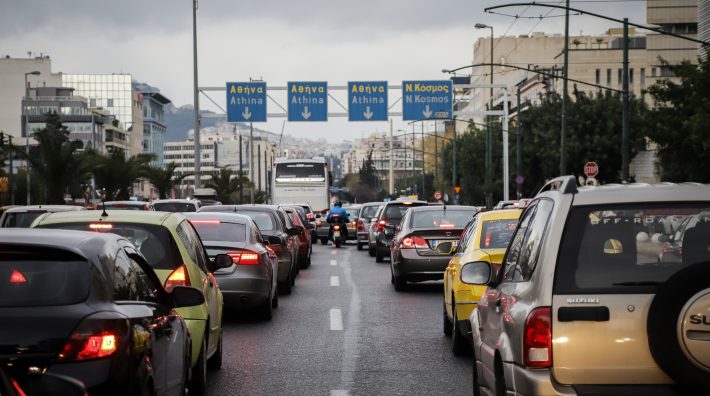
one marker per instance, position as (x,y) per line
(336,227)
(310,216)
(100,226)
(17,277)
(179,277)
(447,226)
(360,225)
(381,225)
(413,242)
(244,257)
(319,223)
(487,240)
(537,338)
(96,337)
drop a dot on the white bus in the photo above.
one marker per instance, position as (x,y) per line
(301,181)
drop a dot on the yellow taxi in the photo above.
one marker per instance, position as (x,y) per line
(485,238)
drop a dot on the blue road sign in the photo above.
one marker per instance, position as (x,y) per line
(423,100)
(307,101)
(246,102)
(367,100)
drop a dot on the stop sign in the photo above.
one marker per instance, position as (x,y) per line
(591,169)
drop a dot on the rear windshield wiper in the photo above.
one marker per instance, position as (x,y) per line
(637,283)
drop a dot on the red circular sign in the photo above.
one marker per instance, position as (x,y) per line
(591,169)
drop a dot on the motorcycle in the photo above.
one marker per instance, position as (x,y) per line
(338,230)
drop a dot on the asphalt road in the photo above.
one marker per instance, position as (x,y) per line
(343,331)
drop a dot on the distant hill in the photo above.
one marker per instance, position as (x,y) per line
(182,119)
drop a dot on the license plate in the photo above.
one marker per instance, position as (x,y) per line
(336,234)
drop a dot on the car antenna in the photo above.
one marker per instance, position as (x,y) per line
(103,202)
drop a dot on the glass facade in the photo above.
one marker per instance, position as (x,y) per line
(108,91)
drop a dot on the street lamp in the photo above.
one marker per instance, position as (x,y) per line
(27,136)
(489,137)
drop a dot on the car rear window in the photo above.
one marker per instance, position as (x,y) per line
(440,218)
(496,234)
(630,248)
(369,212)
(396,211)
(352,212)
(263,220)
(123,207)
(174,207)
(154,241)
(21,219)
(220,231)
(30,280)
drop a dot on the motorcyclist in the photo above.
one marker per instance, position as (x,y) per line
(337,209)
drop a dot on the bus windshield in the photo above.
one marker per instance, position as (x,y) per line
(300,171)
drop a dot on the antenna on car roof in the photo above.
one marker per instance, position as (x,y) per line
(103,202)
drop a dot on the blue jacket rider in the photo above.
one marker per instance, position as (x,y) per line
(338,209)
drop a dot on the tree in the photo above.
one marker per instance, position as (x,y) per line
(164,179)
(226,184)
(680,119)
(115,173)
(368,173)
(56,162)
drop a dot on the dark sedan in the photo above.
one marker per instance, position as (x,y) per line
(251,281)
(272,222)
(425,242)
(88,306)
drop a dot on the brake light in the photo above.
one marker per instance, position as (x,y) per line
(360,225)
(413,242)
(17,277)
(100,226)
(96,337)
(336,228)
(447,226)
(204,221)
(179,277)
(381,225)
(487,241)
(319,223)
(537,338)
(310,216)
(244,257)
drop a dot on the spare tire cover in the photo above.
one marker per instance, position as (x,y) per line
(679,327)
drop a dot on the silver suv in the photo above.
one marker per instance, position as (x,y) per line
(584,302)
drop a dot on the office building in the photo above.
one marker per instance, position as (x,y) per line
(154,126)
(406,154)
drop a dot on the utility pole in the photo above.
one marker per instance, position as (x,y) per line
(241,170)
(436,154)
(391,181)
(198,183)
(251,162)
(423,197)
(625,108)
(453,172)
(518,153)
(565,72)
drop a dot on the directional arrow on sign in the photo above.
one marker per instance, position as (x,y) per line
(427,112)
(368,113)
(246,114)
(305,113)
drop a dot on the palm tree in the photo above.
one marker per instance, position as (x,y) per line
(164,179)
(58,163)
(226,183)
(115,173)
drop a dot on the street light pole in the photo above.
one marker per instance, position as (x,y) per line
(565,73)
(489,134)
(625,108)
(27,138)
(196,93)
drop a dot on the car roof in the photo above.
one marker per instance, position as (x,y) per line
(442,207)
(119,216)
(89,245)
(230,217)
(177,200)
(126,202)
(405,202)
(47,208)
(641,192)
(501,214)
(235,208)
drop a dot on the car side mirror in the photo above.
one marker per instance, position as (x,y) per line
(478,273)
(52,384)
(221,261)
(184,296)
(294,231)
(318,216)
(664,238)
(271,239)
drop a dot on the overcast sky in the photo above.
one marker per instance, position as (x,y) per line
(277,40)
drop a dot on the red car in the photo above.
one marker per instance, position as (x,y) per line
(304,238)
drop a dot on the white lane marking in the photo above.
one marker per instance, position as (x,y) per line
(339,392)
(334,281)
(336,320)
(333,262)
(351,336)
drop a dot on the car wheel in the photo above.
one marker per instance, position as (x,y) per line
(459,345)
(324,241)
(371,251)
(359,246)
(198,382)
(286,286)
(474,376)
(379,256)
(501,388)
(275,300)
(215,361)
(399,283)
(337,243)
(447,322)
(266,310)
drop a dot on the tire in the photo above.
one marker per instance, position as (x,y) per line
(400,283)
(286,286)
(275,299)
(324,241)
(337,243)
(198,380)
(447,322)
(371,251)
(665,320)
(266,310)
(501,388)
(215,361)
(474,376)
(380,257)
(459,344)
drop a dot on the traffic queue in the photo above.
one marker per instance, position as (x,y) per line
(126,300)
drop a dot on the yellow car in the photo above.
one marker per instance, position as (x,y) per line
(174,250)
(485,239)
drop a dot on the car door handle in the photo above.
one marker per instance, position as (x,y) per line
(590,314)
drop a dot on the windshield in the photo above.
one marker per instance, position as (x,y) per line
(21,219)
(397,211)
(175,207)
(607,248)
(220,231)
(263,220)
(440,218)
(302,171)
(155,242)
(496,234)
(369,212)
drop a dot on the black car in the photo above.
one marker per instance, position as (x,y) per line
(251,281)
(273,223)
(425,242)
(88,306)
(390,216)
